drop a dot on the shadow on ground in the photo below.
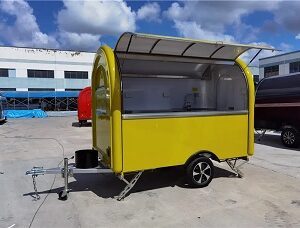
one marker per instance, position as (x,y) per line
(109,186)
(3,122)
(273,141)
(77,124)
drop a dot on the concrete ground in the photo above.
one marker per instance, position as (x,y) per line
(268,195)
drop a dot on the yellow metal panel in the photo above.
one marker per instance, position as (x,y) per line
(101,124)
(251,101)
(107,127)
(115,94)
(153,143)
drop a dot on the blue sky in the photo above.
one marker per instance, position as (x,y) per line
(85,25)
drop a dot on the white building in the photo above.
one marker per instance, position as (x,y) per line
(284,64)
(31,69)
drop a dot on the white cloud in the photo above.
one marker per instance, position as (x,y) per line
(215,16)
(287,15)
(194,30)
(80,42)
(24,31)
(149,12)
(298,37)
(80,24)
(211,19)
(96,17)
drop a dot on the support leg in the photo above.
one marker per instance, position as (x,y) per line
(63,195)
(129,185)
(261,135)
(235,168)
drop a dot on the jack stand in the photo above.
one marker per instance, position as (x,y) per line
(129,185)
(261,135)
(66,172)
(235,168)
(63,195)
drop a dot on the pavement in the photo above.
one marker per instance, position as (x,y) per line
(268,195)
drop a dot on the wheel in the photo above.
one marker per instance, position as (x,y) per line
(200,172)
(62,195)
(290,137)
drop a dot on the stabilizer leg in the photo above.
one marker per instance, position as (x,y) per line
(235,167)
(129,185)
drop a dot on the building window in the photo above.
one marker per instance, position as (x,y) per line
(271,71)
(3,72)
(76,74)
(7,89)
(294,67)
(73,89)
(40,73)
(41,89)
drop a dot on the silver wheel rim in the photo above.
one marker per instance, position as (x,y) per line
(202,172)
(289,137)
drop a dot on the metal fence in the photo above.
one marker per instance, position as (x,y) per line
(47,101)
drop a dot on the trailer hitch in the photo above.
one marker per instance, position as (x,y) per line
(66,171)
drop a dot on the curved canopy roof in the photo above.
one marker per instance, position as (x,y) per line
(137,43)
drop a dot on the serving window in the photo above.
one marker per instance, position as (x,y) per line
(156,86)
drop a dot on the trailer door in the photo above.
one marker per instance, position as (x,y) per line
(106,106)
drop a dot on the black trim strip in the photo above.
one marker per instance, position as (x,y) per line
(129,43)
(216,51)
(188,47)
(153,46)
(124,34)
(255,56)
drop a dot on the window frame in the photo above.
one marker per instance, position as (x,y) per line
(76,74)
(294,65)
(6,70)
(35,73)
(269,71)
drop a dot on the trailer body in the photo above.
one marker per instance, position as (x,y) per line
(277,106)
(161,101)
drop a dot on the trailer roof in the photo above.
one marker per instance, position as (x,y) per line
(137,43)
(279,86)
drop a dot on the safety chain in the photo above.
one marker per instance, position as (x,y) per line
(37,196)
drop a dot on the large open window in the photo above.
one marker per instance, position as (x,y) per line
(153,86)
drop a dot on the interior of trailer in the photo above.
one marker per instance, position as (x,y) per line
(155,85)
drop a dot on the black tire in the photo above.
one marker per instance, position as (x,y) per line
(290,137)
(200,172)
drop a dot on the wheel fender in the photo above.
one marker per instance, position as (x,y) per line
(205,153)
(289,126)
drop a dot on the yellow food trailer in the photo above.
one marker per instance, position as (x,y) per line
(166,101)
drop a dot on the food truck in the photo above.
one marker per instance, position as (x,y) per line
(277,107)
(165,101)
(84,105)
